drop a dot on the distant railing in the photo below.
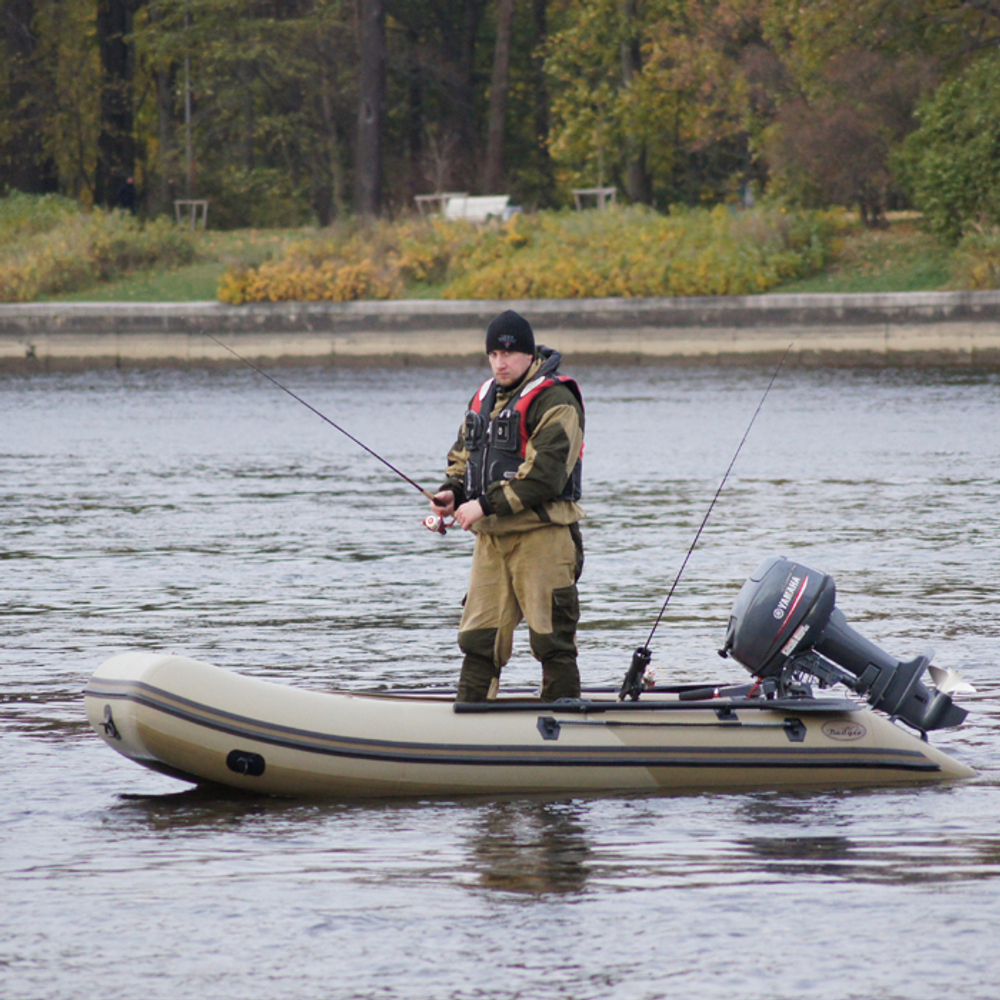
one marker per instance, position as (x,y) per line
(190,211)
(604,196)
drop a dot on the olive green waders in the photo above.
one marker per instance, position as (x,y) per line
(528,575)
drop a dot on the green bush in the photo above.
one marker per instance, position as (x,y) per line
(260,198)
(977,259)
(951,163)
(48,246)
(23,215)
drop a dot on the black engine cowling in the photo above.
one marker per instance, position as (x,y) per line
(785,623)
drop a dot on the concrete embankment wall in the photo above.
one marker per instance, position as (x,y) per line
(920,328)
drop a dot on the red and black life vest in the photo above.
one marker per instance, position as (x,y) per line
(497,447)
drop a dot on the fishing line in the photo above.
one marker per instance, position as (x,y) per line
(322,416)
(632,685)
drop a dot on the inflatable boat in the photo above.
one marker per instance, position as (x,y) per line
(202,724)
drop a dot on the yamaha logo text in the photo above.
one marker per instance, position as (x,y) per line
(786,597)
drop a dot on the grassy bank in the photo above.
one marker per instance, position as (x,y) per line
(899,258)
(214,254)
(48,245)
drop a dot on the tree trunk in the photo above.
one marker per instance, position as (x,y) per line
(493,170)
(637,180)
(414,116)
(166,163)
(459,59)
(246,75)
(542,103)
(116,141)
(29,170)
(371,109)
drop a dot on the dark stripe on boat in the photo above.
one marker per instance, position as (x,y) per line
(799,706)
(547,754)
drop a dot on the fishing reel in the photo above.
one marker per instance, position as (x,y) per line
(785,628)
(435,522)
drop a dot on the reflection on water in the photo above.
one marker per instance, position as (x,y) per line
(530,847)
(888,847)
(197,810)
(204,514)
(932,861)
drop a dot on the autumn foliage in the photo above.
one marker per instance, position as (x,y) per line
(48,245)
(626,252)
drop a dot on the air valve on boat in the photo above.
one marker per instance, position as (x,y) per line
(785,627)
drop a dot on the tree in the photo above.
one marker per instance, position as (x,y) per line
(24,163)
(116,141)
(649,96)
(306,109)
(836,147)
(540,115)
(273,99)
(584,72)
(637,180)
(952,162)
(371,108)
(436,92)
(493,169)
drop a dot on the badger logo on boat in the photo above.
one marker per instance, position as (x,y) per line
(786,597)
(844,730)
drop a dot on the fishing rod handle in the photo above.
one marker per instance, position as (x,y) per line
(632,685)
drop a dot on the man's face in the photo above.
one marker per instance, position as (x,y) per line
(509,366)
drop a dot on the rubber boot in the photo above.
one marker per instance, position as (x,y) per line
(557,650)
(480,676)
(560,678)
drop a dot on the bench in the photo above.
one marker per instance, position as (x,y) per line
(478,208)
(436,202)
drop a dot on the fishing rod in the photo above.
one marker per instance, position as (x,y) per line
(439,526)
(632,685)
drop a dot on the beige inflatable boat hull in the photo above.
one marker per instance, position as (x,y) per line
(203,724)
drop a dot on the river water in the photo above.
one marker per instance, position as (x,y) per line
(206,513)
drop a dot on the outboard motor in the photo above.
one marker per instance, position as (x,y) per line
(785,624)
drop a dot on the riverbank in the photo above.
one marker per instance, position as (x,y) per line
(899,257)
(912,328)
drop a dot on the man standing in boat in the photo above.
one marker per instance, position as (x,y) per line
(514,478)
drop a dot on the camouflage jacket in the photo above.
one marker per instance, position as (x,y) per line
(555,423)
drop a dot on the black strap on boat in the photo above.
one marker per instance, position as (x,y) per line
(632,684)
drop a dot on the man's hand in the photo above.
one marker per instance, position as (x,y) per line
(443,503)
(467,515)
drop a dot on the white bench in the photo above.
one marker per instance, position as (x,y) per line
(436,202)
(478,208)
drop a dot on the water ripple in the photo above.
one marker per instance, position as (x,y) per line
(205,514)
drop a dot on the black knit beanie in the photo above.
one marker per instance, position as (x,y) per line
(510,331)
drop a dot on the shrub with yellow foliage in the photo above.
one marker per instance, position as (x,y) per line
(363,260)
(977,259)
(635,252)
(622,252)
